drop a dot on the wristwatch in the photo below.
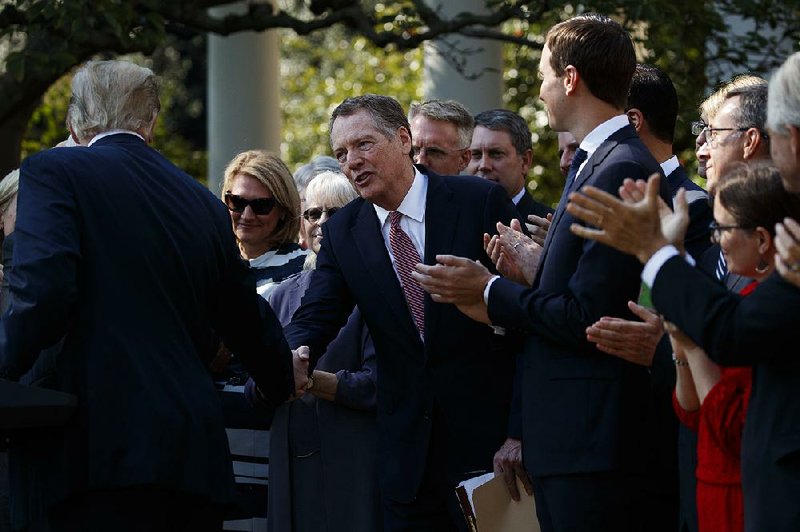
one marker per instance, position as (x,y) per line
(310,383)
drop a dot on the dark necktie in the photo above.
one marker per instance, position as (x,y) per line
(405,258)
(574,166)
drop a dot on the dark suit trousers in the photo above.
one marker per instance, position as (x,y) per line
(136,509)
(435,508)
(592,502)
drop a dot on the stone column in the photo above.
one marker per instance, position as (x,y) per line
(442,79)
(243,95)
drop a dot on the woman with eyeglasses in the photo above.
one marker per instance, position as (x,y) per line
(322,446)
(710,399)
(265,208)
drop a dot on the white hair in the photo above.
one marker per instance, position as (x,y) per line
(783,102)
(8,188)
(110,95)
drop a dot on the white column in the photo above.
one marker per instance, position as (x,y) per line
(443,80)
(243,95)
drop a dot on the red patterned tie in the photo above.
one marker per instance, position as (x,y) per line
(405,258)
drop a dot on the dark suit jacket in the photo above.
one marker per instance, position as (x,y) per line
(527,205)
(700,216)
(763,331)
(133,262)
(583,411)
(460,378)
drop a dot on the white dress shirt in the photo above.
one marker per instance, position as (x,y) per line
(657,261)
(599,135)
(413,221)
(670,165)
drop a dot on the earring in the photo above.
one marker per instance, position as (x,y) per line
(763,265)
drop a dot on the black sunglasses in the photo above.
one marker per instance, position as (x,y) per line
(313,214)
(259,206)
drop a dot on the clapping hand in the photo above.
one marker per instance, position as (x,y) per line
(515,255)
(637,224)
(634,341)
(538,227)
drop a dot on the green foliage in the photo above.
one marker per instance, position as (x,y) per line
(320,70)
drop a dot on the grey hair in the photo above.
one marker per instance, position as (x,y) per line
(110,95)
(752,111)
(9,187)
(711,105)
(386,113)
(310,170)
(334,189)
(783,104)
(447,111)
(511,123)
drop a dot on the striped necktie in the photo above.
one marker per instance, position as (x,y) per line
(405,258)
(722,267)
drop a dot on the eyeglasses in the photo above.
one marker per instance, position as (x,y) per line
(432,152)
(717,230)
(698,127)
(259,206)
(313,214)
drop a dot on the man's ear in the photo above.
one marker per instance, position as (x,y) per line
(636,118)
(754,143)
(463,162)
(571,79)
(527,161)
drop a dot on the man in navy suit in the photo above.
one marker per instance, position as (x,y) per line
(586,436)
(133,263)
(444,381)
(501,151)
(761,330)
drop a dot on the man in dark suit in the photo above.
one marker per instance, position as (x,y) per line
(133,263)
(501,151)
(444,381)
(653,110)
(586,439)
(761,330)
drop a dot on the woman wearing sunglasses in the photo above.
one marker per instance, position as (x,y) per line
(710,399)
(265,207)
(322,446)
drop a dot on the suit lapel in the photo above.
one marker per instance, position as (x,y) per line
(597,158)
(441,217)
(368,239)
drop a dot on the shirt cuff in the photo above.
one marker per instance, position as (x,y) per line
(656,262)
(487,288)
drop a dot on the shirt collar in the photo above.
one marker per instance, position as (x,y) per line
(518,197)
(413,205)
(113,132)
(670,165)
(601,133)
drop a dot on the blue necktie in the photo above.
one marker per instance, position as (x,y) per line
(574,166)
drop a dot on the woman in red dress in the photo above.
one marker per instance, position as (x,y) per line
(711,399)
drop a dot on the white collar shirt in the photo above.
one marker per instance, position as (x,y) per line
(670,165)
(413,221)
(599,135)
(113,132)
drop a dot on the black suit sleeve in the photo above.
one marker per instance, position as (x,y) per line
(325,307)
(43,282)
(734,331)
